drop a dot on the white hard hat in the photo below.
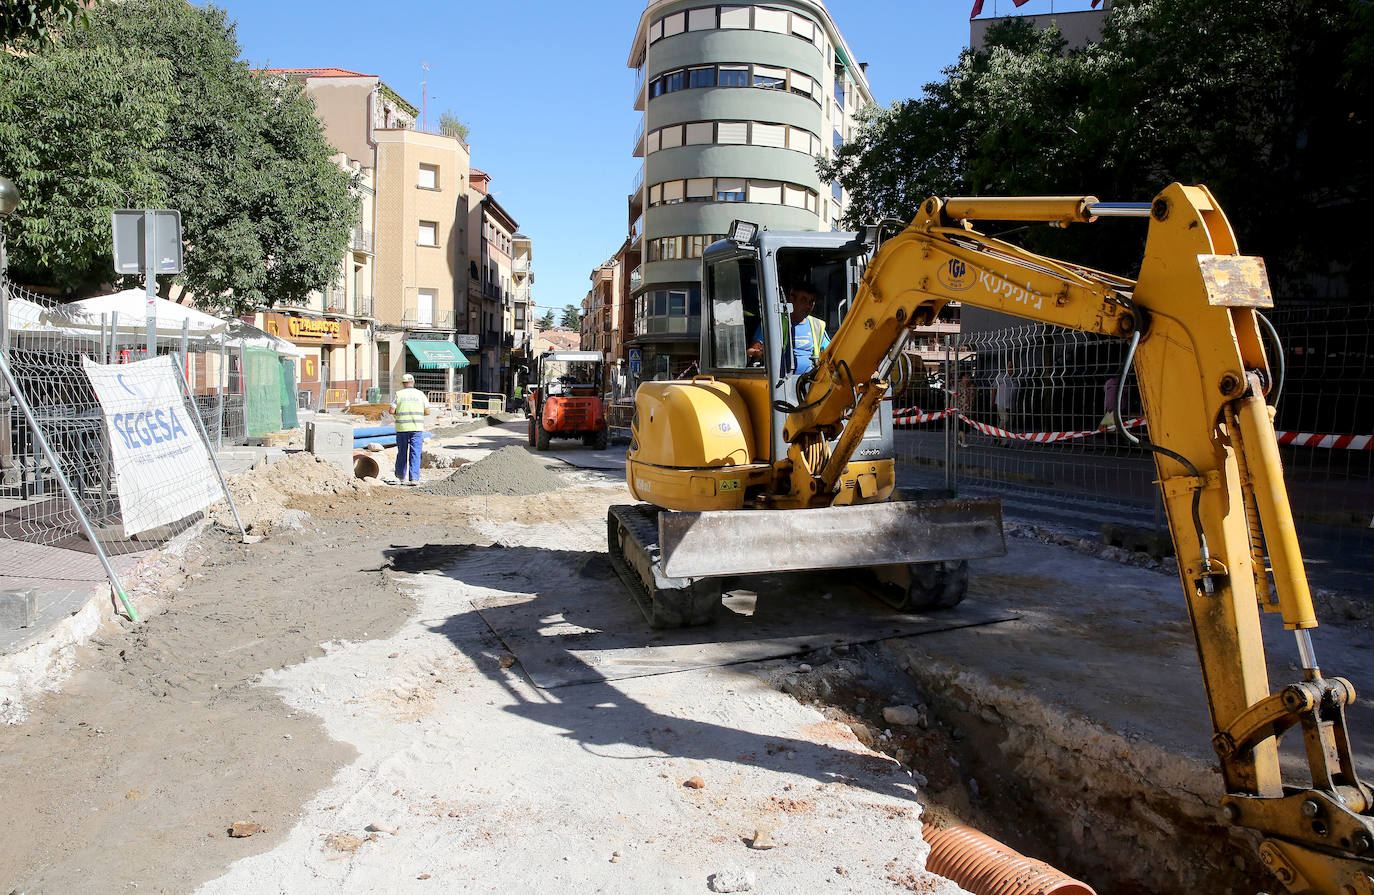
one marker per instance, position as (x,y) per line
(408,378)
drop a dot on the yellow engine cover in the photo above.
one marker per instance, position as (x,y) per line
(691,424)
(692,446)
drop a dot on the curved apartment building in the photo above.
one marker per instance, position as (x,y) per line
(737,102)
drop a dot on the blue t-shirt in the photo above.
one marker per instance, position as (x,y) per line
(801,342)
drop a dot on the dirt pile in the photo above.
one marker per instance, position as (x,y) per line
(263,493)
(511,470)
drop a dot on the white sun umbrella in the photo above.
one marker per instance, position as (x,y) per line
(132,307)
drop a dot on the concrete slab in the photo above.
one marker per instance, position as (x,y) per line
(17,608)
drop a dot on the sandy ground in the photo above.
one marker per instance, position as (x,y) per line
(335,686)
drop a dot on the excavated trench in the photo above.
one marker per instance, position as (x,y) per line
(1112,811)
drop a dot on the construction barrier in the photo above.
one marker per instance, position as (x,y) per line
(479,403)
(335,397)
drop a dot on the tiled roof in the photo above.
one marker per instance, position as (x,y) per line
(320,72)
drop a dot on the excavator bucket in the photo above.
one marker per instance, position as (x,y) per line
(741,542)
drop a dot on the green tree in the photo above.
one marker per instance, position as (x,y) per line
(1265,102)
(545,323)
(56,111)
(33,23)
(571,318)
(450,126)
(266,214)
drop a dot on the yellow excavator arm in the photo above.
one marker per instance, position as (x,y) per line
(1200,363)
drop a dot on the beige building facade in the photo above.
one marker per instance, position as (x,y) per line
(422,187)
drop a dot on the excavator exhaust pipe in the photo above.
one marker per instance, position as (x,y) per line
(984,866)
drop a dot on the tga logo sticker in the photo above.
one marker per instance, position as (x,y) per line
(954,275)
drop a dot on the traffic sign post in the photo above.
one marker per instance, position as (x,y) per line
(147,241)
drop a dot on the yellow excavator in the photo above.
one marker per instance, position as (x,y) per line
(756,467)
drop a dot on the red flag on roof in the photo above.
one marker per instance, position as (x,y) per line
(977,9)
(1095,2)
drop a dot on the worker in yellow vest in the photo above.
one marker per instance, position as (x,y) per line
(409,409)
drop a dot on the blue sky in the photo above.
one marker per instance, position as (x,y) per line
(544,86)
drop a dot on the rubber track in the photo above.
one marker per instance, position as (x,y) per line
(640,525)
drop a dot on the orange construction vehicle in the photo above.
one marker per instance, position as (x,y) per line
(566,400)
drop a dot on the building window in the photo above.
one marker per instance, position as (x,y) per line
(429,177)
(836,191)
(424,307)
(701,19)
(701,77)
(770,78)
(734,17)
(758,133)
(766,77)
(734,76)
(429,233)
(519,316)
(729,189)
(674,309)
(774,20)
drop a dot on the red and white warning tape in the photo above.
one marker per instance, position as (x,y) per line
(1338,442)
(911,415)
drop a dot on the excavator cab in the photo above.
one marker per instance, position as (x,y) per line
(745,302)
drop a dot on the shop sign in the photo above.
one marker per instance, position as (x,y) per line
(307,330)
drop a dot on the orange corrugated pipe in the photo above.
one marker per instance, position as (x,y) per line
(984,866)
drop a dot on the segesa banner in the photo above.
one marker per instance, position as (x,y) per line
(161,464)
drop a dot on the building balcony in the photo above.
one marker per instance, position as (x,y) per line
(520,266)
(491,338)
(637,229)
(640,83)
(636,278)
(361,240)
(411,318)
(362,306)
(637,149)
(637,182)
(335,301)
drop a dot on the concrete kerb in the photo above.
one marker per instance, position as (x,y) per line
(42,660)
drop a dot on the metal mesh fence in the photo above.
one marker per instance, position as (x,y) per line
(45,346)
(1021,411)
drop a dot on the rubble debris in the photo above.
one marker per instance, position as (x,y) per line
(244,829)
(694,783)
(731,880)
(763,840)
(511,470)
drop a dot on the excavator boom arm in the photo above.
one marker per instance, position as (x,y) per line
(1202,373)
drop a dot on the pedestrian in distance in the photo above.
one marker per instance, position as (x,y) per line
(963,400)
(1109,402)
(409,409)
(1004,399)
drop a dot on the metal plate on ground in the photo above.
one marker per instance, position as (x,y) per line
(594,632)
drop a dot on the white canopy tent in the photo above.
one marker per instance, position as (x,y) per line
(89,317)
(131,306)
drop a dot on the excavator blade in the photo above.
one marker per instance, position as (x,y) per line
(740,542)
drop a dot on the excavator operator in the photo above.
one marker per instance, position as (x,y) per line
(809,337)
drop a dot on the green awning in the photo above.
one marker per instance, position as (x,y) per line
(436,355)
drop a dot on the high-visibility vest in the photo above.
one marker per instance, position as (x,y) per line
(410,410)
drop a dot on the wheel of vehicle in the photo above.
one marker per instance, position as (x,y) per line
(541,436)
(599,440)
(531,432)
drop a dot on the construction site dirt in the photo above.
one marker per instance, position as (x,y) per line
(344,706)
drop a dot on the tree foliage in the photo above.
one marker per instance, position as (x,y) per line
(571,317)
(34,23)
(1266,102)
(71,166)
(450,126)
(545,323)
(266,213)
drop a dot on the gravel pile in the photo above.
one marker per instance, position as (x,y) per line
(511,470)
